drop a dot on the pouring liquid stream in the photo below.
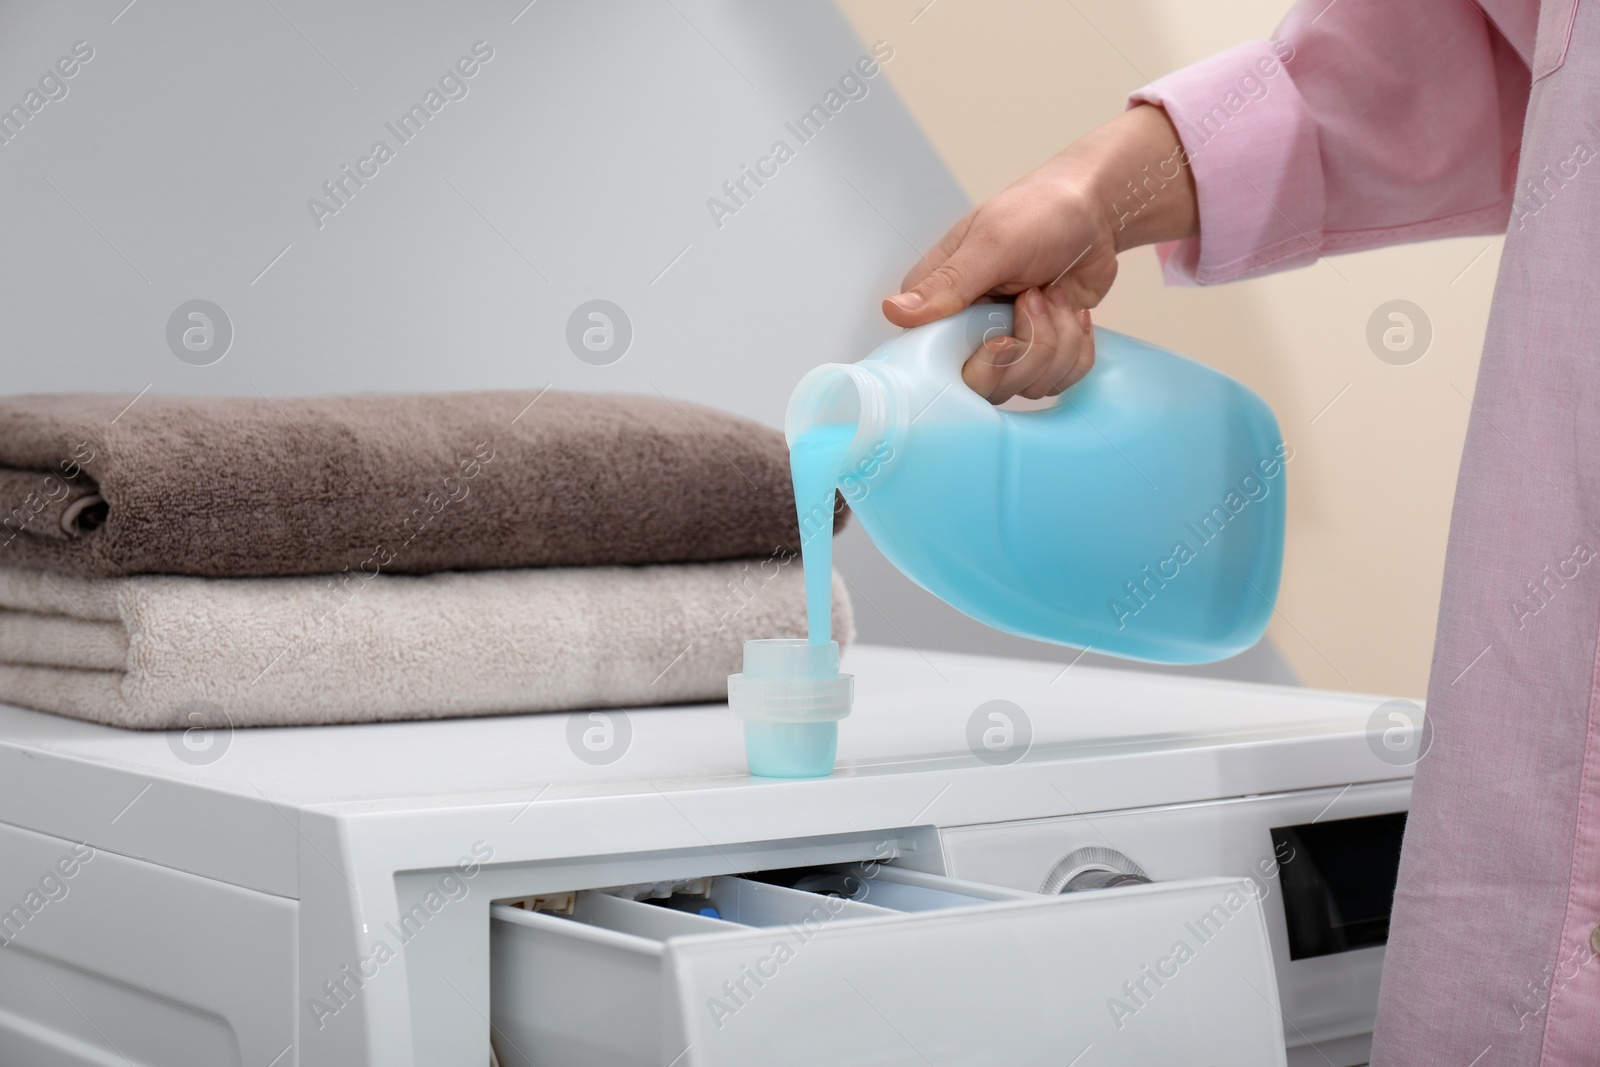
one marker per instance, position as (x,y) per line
(815,460)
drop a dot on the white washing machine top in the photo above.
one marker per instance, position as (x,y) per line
(913,752)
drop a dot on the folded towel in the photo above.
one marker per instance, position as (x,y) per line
(144,651)
(248,486)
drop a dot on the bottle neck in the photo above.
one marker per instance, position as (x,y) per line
(869,396)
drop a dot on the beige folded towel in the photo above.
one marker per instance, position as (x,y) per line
(140,652)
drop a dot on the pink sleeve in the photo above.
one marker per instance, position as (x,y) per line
(1363,123)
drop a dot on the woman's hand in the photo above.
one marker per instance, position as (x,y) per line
(1051,240)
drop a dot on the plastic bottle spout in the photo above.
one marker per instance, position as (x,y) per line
(868,396)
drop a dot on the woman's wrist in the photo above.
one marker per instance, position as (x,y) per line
(1140,177)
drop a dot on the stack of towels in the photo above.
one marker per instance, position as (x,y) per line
(364,558)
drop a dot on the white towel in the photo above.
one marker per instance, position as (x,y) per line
(142,651)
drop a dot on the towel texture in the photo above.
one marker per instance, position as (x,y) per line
(399,484)
(140,651)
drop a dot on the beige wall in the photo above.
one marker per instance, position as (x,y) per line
(1000,85)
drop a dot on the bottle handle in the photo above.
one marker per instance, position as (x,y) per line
(948,343)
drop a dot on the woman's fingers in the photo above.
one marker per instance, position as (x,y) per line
(1073,352)
(1036,328)
(1083,360)
(1004,366)
(985,367)
(1051,349)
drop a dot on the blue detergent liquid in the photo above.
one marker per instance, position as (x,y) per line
(1141,516)
(815,462)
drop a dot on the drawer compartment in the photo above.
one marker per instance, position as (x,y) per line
(752,903)
(898,889)
(916,969)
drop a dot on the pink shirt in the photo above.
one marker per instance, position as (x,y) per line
(1364,123)
(1373,122)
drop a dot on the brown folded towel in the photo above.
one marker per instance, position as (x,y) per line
(250,486)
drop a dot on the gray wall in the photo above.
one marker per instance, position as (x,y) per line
(574,165)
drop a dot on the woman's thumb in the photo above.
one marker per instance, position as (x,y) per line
(946,289)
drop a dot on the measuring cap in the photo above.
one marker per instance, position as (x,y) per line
(791,697)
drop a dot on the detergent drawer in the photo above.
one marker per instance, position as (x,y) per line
(879,965)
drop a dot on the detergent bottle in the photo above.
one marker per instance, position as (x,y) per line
(1141,515)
